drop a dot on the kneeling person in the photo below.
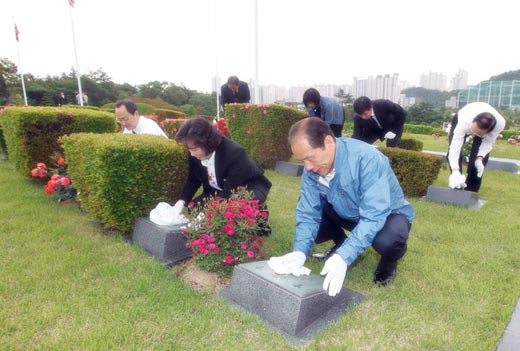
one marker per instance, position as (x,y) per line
(346,184)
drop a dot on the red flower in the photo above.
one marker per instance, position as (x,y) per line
(60,161)
(191,204)
(55,177)
(35,173)
(229,215)
(251,222)
(228,260)
(41,165)
(65,181)
(250,254)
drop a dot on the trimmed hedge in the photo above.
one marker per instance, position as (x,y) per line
(144,109)
(414,170)
(421,129)
(410,144)
(509,133)
(171,126)
(262,130)
(162,114)
(3,146)
(124,176)
(90,107)
(32,133)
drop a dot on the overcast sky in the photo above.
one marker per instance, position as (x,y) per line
(300,41)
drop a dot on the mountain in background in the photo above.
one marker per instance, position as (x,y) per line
(510,75)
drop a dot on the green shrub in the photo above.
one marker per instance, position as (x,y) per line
(414,170)
(509,133)
(422,129)
(211,119)
(410,144)
(79,106)
(32,133)
(3,146)
(124,176)
(262,130)
(110,106)
(162,114)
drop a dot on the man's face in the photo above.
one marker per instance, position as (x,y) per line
(233,87)
(310,105)
(476,130)
(366,115)
(317,160)
(197,152)
(125,118)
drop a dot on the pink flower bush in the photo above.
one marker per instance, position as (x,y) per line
(223,233)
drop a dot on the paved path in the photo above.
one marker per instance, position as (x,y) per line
(511,339)
(491,158)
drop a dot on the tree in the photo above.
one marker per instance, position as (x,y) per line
(205,104)
(344,98)
(424,113)
(436,98)
(9,81)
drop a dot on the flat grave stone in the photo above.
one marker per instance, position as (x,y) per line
(298,307)
(166,243)
(502,166)
(455,197)
(510,340)
(289,168)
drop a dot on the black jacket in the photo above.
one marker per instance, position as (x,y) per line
(390,115)
(233,168)
(227,96)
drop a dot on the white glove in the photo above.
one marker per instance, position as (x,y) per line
(291,263)
(177,208)
(457,180)
(480,167)
(390,135)
(336,269)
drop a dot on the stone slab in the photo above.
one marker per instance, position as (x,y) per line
(166,243)
(511,339)
(502,166)
(298,307)
(289,168)
(455,197)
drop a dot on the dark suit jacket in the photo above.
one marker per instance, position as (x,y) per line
(227,96)
(390,115)
(233,168)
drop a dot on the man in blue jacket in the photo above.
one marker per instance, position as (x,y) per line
(346,184)
(326,108)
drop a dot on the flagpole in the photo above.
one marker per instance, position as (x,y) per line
(20,62)
(216,62)
(257,91)
(71,4)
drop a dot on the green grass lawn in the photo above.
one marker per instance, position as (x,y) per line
(500,149)
(65,284)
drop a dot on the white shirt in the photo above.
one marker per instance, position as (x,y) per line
(146,126)
(463,128)
(326,180)
(212,176)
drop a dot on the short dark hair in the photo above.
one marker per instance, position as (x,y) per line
(199,132)
(486,121)
(314,129)
(362,104)
(311,95)
(233,80)
(130,106)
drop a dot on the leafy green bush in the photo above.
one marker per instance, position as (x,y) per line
(171,126)
(3,146)
(162,114)
(509,133)
(414,170)
(262,130)
(32,133)
(410,144)
(124,176)
(79,106)
(423,129)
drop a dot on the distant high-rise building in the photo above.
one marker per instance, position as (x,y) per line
(381,87)
(460,80)
(434,80)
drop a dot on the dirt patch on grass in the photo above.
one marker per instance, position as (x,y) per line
(201,280)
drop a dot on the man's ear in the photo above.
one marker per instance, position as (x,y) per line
(329,140)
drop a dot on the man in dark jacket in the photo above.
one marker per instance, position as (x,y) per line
(378,119)
(234,91)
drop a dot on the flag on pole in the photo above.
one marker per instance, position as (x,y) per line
(71,3)
(16,33)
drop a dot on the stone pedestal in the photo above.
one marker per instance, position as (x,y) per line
(296,306)
(166,243)
(502,166)
(289,168)
(456,197)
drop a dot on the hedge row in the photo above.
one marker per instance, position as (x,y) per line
(32,133)
(410,144)
(124,176)
(414,170)
(509,133)
(262,130)
(162,114)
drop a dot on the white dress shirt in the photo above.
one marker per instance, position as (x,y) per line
(212,176)
(146,126)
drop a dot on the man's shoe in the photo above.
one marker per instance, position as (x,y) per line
(323,256)
(384,276)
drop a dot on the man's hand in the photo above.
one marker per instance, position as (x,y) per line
(390,135)
(336,269)
(291,263)
(457,180)
(479,165)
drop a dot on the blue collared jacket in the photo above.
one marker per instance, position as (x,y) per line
(331,111)
(364,189)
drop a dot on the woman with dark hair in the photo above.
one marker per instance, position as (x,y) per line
(218,164)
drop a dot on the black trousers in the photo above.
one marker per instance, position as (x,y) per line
(390,242)
(337,129)
(473,182)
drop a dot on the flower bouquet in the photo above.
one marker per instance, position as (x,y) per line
(223,232)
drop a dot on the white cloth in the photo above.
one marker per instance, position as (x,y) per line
(291,263)
(457,180)
(164,214)
(146,126)
(212,176)
(463,128)
(390,135)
